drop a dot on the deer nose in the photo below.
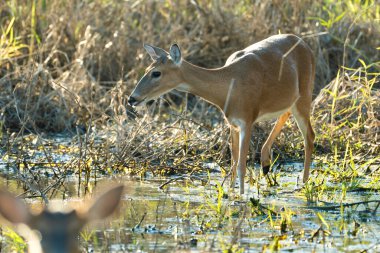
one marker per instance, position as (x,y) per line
(132,101)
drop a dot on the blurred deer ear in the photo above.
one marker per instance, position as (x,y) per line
(155,52)
(106,204)
(175,54)
(13,209)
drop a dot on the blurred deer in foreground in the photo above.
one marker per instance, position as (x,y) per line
(269,79)
(58,231)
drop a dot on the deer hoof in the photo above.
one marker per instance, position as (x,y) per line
(266,169)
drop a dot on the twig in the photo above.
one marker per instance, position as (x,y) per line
(141,220)
(229,95)
(256,202)
(180,178)
(333,207)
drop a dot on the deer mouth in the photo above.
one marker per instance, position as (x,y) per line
(135,102)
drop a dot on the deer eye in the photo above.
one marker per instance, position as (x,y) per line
(156,74)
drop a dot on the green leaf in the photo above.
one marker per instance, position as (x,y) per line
(9,28)
(337,19)
(320,217)
(363,63)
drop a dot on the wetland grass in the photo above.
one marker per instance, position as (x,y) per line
(67,68)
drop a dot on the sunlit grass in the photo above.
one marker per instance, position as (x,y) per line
(69,67)
(10,45)
(14,242)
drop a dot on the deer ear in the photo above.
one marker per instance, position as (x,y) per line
(175,54)
(155,52)
(106,204)
(13,209)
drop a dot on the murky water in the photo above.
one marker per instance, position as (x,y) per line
(188,216)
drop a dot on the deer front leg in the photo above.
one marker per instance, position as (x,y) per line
(234,154)
(244,138)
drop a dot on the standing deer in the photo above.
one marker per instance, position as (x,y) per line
(58,231)
(269,79)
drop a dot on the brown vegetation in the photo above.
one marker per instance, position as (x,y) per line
(73,64)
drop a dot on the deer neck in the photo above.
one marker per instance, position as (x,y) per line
(209,84)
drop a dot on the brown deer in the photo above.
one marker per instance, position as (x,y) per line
(269,79)
(58,231)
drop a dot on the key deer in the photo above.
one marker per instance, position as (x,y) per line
(58,231)
(269,79)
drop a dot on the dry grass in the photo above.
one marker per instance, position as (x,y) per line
(76,63)
(69,66)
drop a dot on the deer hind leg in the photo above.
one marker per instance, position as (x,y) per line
(301,112)
(234,154)
(266,149)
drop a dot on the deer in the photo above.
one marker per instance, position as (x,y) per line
(272,78)
(58,232)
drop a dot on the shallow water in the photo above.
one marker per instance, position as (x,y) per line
(178,215)
(182,218)
(187,215)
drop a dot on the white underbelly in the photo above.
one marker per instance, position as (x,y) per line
(271,115)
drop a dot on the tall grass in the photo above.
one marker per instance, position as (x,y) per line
(70,66)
